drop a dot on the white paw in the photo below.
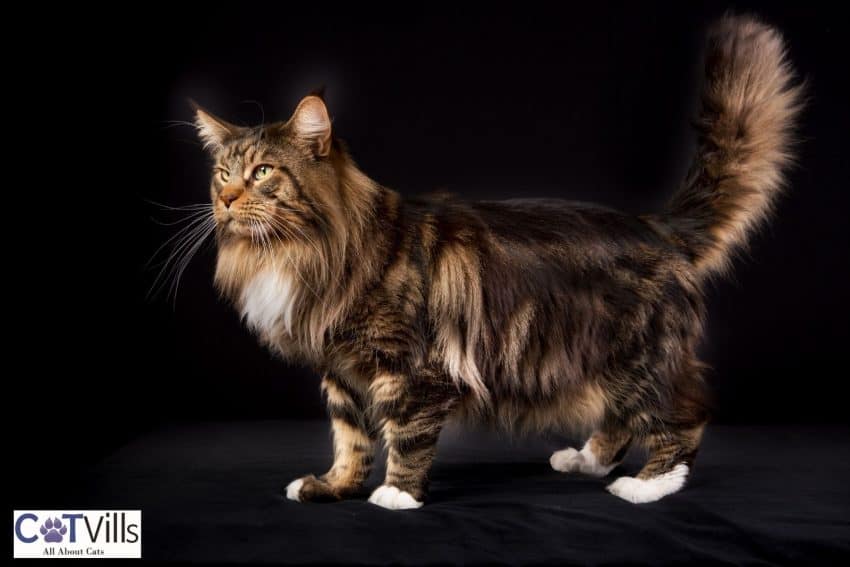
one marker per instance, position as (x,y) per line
(568,460)
(392,498)
(641,491)
(293,489)
(584,461)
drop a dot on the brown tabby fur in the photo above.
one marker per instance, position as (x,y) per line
(527,313)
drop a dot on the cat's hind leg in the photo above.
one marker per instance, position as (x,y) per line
(671,456)
(582,461)
(600,454)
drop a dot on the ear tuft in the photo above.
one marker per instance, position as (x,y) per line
(311,123)
(212,130)
(319,92)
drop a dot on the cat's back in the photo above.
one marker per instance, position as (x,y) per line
(546,232)
(570,222)
(531,248)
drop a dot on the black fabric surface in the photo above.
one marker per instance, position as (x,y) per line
(214,492)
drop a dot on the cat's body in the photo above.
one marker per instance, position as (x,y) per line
(528,313)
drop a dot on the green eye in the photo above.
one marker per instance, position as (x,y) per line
(262,171)
(224,175)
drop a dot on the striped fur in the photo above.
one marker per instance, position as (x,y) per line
(527,314)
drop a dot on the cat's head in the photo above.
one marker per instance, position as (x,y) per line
(273,183)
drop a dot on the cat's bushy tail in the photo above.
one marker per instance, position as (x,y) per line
(749,109)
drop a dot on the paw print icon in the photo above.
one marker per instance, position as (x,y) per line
(53,530)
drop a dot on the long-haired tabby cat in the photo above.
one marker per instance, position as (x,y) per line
(527,313)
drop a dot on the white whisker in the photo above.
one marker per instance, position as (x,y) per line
(184,244)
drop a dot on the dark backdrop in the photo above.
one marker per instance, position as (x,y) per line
(591,102)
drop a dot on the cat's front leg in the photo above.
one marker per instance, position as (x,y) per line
(354,448)
(410,413)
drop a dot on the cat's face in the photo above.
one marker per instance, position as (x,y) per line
(273,183)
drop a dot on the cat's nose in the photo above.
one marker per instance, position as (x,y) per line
(230,194)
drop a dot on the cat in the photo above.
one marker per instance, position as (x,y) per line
(527,313)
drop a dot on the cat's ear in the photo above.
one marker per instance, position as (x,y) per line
(212,130)
(311,123)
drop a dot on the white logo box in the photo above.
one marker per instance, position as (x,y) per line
(89,534)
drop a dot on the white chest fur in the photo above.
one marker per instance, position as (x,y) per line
(268,302)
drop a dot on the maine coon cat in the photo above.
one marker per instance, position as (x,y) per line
(526,313)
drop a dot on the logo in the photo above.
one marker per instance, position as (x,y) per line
(58,534)
(53,530)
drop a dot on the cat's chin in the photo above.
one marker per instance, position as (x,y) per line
(235,229)
(258,236)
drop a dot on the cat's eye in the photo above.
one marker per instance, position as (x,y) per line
(224,175)
(262,171)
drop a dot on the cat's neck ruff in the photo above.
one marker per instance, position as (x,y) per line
(268,302)
(266,292)
(277,299)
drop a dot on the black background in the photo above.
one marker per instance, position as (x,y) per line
(589,102)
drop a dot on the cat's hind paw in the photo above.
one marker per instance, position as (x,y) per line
(584,462)
(641,491)
(392,498)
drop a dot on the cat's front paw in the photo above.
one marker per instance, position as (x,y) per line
(293,489)
(311,489)
(392,498)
